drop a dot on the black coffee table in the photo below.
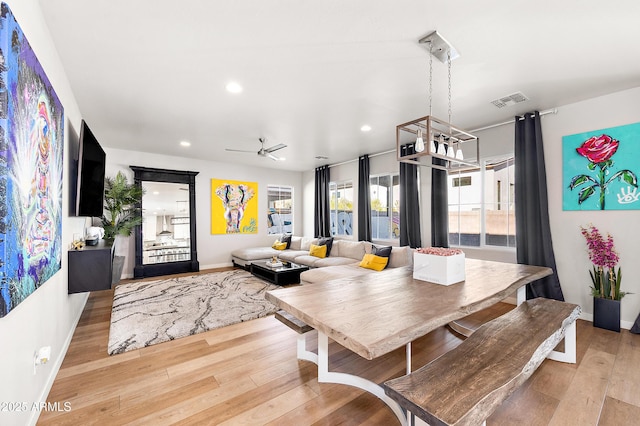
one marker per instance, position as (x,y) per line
(288,273)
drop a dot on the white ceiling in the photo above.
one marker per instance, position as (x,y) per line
(150,73)
(165,199)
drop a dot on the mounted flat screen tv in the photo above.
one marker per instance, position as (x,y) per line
(91,169)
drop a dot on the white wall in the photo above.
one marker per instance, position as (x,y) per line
(571,254)
(213,250)
(569,246)
(48,316)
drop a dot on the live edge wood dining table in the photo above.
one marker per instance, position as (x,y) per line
(377,313)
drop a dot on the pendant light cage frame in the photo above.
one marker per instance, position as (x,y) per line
(447,135)
(433,137)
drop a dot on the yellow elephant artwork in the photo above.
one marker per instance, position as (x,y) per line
(234,207)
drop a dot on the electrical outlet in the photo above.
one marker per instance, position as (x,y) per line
(41,356)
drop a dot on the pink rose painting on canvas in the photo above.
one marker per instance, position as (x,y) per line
(600,169)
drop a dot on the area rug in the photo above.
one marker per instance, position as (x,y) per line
(151,312)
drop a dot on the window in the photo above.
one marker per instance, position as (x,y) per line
(341,205)
(280,213)
(385,207)
(462,181)
(482,205)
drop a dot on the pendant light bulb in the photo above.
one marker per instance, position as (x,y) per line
(419,147)
(451,152)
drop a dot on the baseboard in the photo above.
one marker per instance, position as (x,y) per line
(56,367)
(216,265)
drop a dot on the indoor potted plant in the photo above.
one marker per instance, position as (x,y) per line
(122,210)
(605,279)
(121,214)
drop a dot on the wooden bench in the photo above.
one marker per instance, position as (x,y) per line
(301,328)
(465,385)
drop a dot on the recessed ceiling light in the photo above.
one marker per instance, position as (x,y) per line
(365,128)
(185,143)
(156,193)
(234,87)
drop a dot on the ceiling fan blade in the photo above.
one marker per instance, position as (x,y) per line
(273,157)
(239,150)
(275,147)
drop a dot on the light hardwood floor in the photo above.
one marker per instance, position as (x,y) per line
(248,374)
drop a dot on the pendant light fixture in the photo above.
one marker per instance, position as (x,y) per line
(419,146)
(445,141)
(165,232)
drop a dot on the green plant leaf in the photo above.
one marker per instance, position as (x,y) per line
(626,175)
(629,177)
(585,193)
(579,180)
(591,166)
(122,212)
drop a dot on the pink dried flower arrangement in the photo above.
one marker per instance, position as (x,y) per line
(439,251)
(602,253)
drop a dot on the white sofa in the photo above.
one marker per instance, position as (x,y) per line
(400,256)
(343,260)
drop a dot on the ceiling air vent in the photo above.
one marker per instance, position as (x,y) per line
(514,98)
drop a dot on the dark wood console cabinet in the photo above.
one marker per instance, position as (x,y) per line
(90,269)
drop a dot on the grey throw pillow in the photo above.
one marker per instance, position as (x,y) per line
(384,251)
(326,241)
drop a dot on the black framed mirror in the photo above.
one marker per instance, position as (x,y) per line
(166,240)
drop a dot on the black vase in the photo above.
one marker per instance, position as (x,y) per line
(606,314)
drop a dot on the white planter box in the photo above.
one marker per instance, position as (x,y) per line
(445,270)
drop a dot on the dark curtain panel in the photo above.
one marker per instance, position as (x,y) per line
(322,212)
(533,233)
(439,205)
(409,202)
(364,200)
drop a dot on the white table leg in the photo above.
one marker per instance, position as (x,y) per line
(326,376)
(303,353)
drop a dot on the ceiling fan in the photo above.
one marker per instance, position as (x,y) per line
(264,152)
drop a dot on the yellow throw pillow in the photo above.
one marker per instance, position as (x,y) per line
(279,246)
(318,251)
(371,261)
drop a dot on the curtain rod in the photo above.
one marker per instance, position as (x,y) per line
(513,120)
(370,155)
(491,126)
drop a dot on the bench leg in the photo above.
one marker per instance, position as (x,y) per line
(326,376)
(303,353)
(521,295)
(569,354)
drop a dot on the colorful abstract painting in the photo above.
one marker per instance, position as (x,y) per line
(601,169)
(31,144)
(234,207)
